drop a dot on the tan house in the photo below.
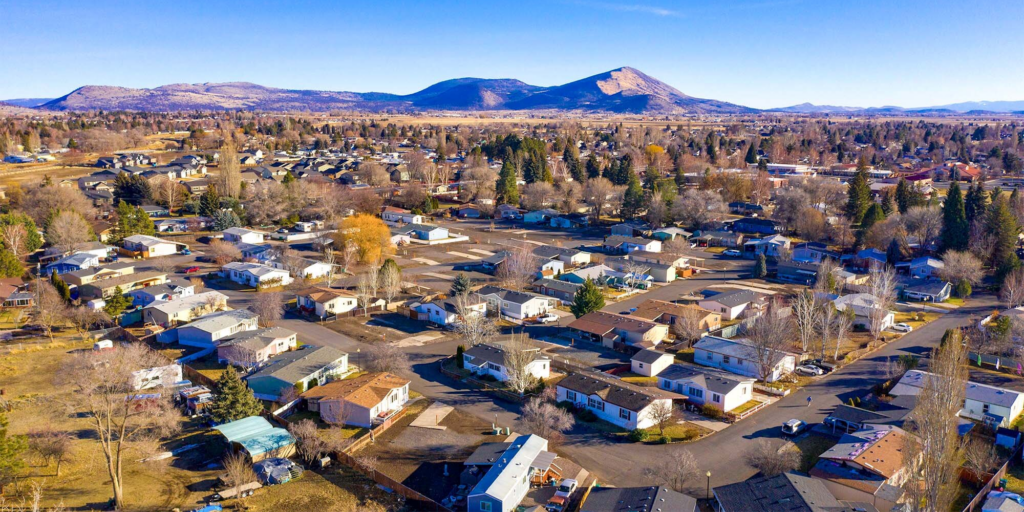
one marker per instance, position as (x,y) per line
(169,313)
(93,274)
(323,301)
(360,401)
(613,330)
(105,287)
(664,312)
(866,466)
(250,348)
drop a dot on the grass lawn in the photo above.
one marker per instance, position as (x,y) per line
(745,407)
(811,447)
(715,250)
(640,380)
(1015,478)
(956,301)
(909,318)
(209,366)
(338,489)
(685,355)
(676,433)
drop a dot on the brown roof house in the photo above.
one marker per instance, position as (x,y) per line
(612,400)
(360,401)
(324,302)
(664,312)
(613,330)
(866,466)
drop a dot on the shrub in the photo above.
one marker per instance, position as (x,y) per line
(711,411)
(662,440)
(586,415)
(638,435)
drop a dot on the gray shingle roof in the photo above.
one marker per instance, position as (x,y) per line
(615,392)
(711,380)
(733,298)
(492,354)
(509,295)
(648,356)
(298,364)
(636,499)
(788,492)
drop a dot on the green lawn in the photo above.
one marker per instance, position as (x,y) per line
(1015,478)
(676,433)
(640,380)
(956,301)
(746,407)
(811,447)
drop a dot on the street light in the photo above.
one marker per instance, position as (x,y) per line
(709,486)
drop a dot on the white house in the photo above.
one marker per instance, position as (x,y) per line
(506,483)
(611,400)
(159,377)
(168,313)
(864,306)
(732,304)
(650,363)
(393,216)
(360,401)
(251,348)
(490,360)
(628,244)
(445,312)
(243,235)
(205,331)
(324,301)
(571,257)
(719,389)
(150,246)
(256,274)
(739,357)
(772,246)
(996,406)
(924,267)
(518,305)
(540,216)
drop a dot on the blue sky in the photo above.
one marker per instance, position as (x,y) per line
(760,53)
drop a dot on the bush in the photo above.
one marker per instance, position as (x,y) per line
(638,435)
(662,440)
(711,411)
(963,289)
(586,415)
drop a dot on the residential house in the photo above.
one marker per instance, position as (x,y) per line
(650,363)
(570,257)
(746,208)
(668,313)
(92,274)
(618,244)
(205,331)
(301,369)
(931,290)
(326,301)
(394,216)
(257,438)
(243,235)
(724,391)
(426,232)
(735,303)
(865,306)
(506,482)
(629,499)
(741,358)
(813,252)
(169,313)
(14,293)
(73,263)
(174,288)
(98,249)
(570,221)
(866,466)
(561,290)
(508,212)
(155,211)
(255,274)
(680,262)
(869,258)
(597,273)
(540,216)
(631,228)
(997,407)
(619,403)
(756,225)
(145,246)
(720,239)
(360,401)
(671,233)
(788,491)
(490,360)
(517,305)
(613,330)
(657,272)
(799,272)
(252,348)
(924,267)
(104,288)
(771,247)
(469,211)
(445,312)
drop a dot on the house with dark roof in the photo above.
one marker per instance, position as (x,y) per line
(561,290)
(618,244)
(617,402)
(799,272)
(360,401)
(995,406)
(302,369)
(325,301)
(650,363)
(756,225)
(490,360)
(445,312)
(668,313)
(570,221)
(813,252)
(734,304)
(612,330)
(703,386)
(924,267)
(741,358)
(570,257)
(866,466)
(928,290)
(252,348)
(636,499)
(518,305)
(788,492)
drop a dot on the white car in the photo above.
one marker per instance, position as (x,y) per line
(793,427)
(560,500)
(902,327)
(548,318)
(809,370)
(732,253)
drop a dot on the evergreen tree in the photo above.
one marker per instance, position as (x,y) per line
(587,299)
(974,203)
(12,448)
(132,220)
(117,303)
(233,400)
(10,265)
(760,267)
(633,199)
(888,202)
(459,350)
(1003,226)
(651,177)
(460,285)
(132,188)
(751,157)
(33,240)
(209,202)
(762,165)
(506,189)
(288,178)
(680,179)
(955,231)
(62,288)
(903,194)
(593,166)
(858,197)
(894,253)
(225,219)
(874,215)
(571,157)
(963,289)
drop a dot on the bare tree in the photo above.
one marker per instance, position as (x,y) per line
(825,322)
(826,279)
(222,252)
(687,325)
(772,458)
(545,419)
(13,236)
(68,231)
(364,291)
(699,208)
(52,445)
(661,414)
(673,469)
(844,323)
(537,195)
(474,326)
(518,354)
(924,222)
(332,267)
(229,174)
(634,271)
(374,174)
(309,444)
(123,420)
(348,255)
(980,458)
(597,193)
(961,266)
(769,338)
(390,282)
(882,286)
(198,285)
(239,472)
(933,465)
(386,358)
(85,318)
(518,269)
(51,310)
(1012,290)
(269,306)
(805,308)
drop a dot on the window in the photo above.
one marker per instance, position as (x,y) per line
(485,506)
(624,413)
(984,408)
(711,357)
(570,395)
(667,384)
(725,359)
(595,403)
(715,397)
(739,361)
(640,365)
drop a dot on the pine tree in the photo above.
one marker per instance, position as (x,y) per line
(10,265)
(506,188)
(633,199)
(460,285)
(1003,226)
(233,400)
(760,267)
(974,203)
(288,178)
(12,448)
(62,288)
(874,215)
(459,350)
(593,166)
(888,203)
(209,202)
(751,157)
(858,196)
(903,195)
(587,299)
(116,303)
(894,253)
(955,230)
(571,158)
(762,165)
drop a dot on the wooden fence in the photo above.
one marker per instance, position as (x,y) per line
(979,499)
(421,502)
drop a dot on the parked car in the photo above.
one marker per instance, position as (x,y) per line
(186,252)
(826,366)
(560,500)
(793,427)
(547,318)
(902,327)
(809,370)
(192,270)
(732,253)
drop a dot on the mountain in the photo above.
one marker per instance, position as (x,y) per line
(983,106)
(810,108)
(968,107)
(26,102)
(624,90)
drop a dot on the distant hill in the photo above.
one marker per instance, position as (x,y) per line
(983,106)
(969,107)
(26,102)
(810,108)
(623,90)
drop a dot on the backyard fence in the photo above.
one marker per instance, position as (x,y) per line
(999,363)
(982,495)
(422,502)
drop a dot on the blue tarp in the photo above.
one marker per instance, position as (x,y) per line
(256,435)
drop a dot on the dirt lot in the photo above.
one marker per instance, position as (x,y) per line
(384,327)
